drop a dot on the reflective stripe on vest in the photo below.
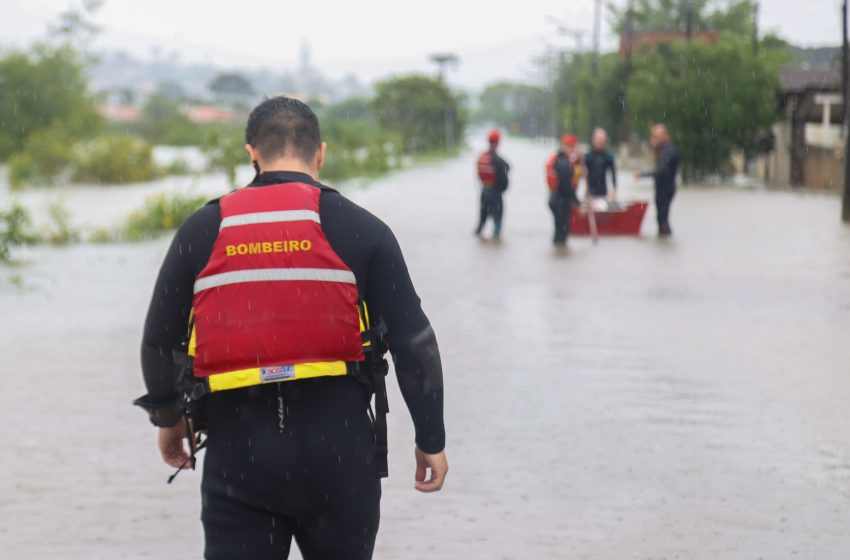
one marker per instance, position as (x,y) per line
(269,217)
(274,302)
(274,275)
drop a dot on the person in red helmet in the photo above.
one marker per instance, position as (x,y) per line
(493,173)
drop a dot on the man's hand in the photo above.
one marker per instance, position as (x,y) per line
(171,445)
(438,465)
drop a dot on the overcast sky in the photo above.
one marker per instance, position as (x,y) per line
(371,38)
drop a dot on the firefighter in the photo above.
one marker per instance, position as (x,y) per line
(290,293)
(493,174)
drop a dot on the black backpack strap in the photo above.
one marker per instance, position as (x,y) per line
(373,373)
(382,408)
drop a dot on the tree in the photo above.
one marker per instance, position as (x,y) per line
(522,108)
(422,110)
(46,87)
(232,86)
(731,16)
(163,122)
(713,98)
(353,108)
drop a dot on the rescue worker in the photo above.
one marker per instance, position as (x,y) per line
(291,292)
(560,177)
(599,161)
(493,173)
(666,166)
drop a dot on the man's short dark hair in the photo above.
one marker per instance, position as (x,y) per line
(283,126)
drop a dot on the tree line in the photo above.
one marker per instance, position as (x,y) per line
(715,98)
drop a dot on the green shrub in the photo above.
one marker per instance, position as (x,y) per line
(47,153)
(178,167)
(161,212)
(226,150)
(60,231)
(115,158)
(22,170)
(357,148)
(15,230)
(104,235)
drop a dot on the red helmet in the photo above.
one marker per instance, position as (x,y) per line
(570,140)
(493,136)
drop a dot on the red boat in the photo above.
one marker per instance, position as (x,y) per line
(616,218)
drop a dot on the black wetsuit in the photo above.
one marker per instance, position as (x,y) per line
(316,479)
(598,163)
(562,199)
(491,197)
(667,165)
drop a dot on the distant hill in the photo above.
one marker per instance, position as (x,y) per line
(120,71)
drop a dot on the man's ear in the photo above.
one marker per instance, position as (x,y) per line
(320,157)
(252,153)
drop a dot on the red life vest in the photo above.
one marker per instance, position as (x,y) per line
(551,174)
(275,302)
(486,169)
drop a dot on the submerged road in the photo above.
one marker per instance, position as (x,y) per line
(641,398)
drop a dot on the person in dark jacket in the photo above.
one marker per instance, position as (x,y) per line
(599,161)
(290,455)
(493,172)
(666,166)
(562,195)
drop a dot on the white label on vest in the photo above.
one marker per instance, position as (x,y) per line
(276,373)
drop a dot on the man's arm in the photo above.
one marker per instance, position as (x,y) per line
(413,344)
(165,328)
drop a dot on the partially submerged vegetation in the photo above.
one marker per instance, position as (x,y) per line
(15,230)
(160,213)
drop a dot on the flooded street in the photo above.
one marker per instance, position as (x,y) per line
(640,398)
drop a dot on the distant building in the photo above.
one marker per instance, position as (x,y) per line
(120,113)
(202,114)
(651,39)
(808,149)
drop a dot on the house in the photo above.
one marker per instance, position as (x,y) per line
(649,40)
(808,149)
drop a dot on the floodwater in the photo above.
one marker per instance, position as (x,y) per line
(641,398)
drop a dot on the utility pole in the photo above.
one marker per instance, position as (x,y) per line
(689,19)
(845,86)
(444,61)
(578,36)
(594,65)
(756,27)
(627,71)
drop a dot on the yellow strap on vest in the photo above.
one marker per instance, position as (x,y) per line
(255,376)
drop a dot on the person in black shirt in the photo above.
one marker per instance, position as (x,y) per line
(562,197)
(666,166)
(313,477)
(599,161)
